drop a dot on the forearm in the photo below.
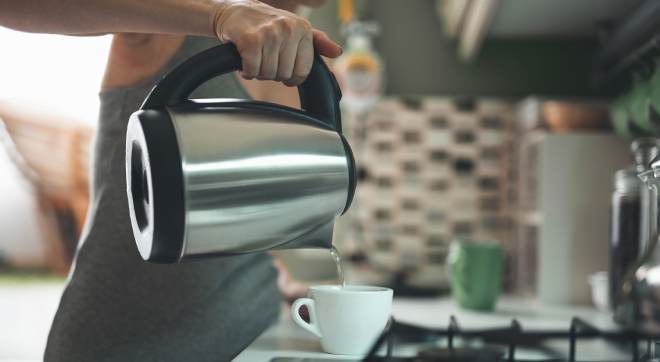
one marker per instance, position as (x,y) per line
(77,17)
(274,44)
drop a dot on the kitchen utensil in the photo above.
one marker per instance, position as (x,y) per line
(347,320)
(209,177)
(475,273)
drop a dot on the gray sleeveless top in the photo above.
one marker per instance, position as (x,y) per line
(117,307)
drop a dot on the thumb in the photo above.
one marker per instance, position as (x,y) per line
(325,46)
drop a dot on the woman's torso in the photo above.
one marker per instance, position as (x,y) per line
(118,307)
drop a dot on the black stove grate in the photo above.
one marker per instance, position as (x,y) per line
(512,337)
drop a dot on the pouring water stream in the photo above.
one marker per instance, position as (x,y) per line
(337,258)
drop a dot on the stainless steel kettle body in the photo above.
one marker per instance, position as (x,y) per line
(218,176)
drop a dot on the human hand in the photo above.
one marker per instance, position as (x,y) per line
(290,288)
(274,44)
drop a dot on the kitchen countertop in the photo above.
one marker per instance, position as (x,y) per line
(285,339)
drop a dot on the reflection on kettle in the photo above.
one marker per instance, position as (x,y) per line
(223,176)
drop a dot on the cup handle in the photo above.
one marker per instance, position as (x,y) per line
(312,326)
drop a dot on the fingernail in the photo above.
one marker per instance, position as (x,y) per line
(341,50)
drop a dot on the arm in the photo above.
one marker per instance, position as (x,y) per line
(274,44)
(290,288)
(77,17)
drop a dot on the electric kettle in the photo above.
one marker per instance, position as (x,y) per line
(209,177)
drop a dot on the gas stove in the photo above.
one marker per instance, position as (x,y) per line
(402,342)
(519,329)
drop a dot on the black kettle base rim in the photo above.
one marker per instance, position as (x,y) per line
(161,205)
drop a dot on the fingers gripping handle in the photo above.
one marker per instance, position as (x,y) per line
(312,326)
(319,93)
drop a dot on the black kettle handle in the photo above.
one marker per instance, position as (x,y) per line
(319,93)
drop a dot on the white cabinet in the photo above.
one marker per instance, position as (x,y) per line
(565,186)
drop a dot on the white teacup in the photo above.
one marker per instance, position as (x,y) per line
(347,320)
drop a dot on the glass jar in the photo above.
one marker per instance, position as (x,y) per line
(624,229)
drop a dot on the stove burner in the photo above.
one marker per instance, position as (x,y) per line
(438,354)
(500,344)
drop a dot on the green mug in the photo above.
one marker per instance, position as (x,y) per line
(475,270)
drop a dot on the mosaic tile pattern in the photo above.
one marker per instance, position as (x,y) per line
(434,169)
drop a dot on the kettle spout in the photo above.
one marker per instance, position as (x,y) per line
(320,237)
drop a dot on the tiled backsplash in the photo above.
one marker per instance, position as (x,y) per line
(435,169)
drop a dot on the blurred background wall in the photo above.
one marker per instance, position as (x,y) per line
(421,59)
